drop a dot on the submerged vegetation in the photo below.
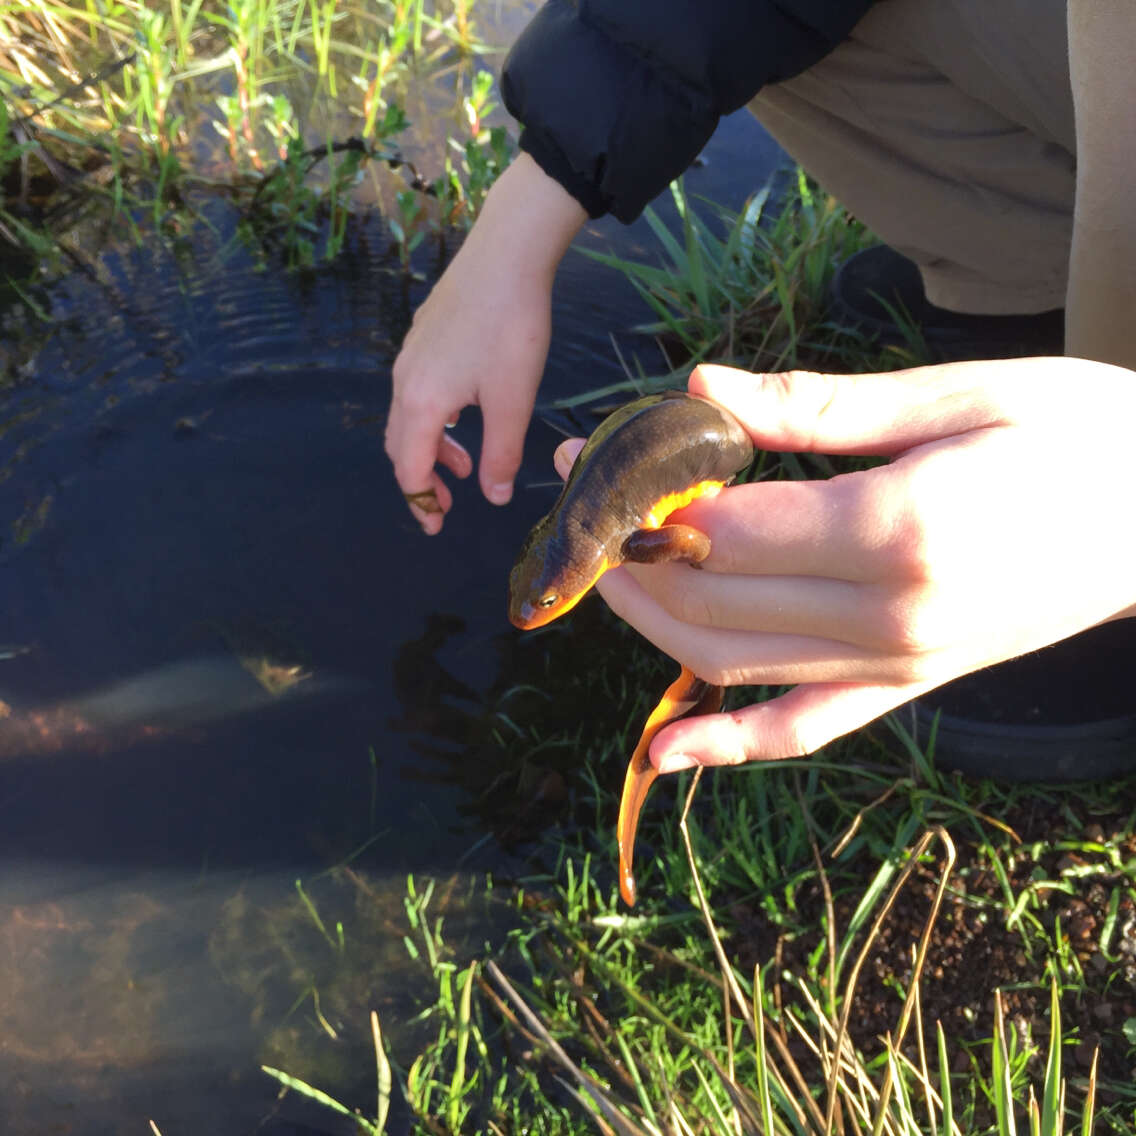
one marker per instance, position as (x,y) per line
(853,944)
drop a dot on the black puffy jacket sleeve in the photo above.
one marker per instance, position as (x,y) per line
(617,97)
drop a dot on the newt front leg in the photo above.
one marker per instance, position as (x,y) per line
(688,696)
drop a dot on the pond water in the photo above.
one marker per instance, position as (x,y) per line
(222,646)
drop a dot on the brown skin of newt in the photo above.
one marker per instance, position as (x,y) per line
(646,460)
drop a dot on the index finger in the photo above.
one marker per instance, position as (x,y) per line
(836,529)
(885,413)
(565,456)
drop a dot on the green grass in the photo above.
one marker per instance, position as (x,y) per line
(289,108)
(787,914)
(751,287)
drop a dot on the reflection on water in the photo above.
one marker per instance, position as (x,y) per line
(229,660)
(176,696)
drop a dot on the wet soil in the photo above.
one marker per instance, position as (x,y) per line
(1078,897)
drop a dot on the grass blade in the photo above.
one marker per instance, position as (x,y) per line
(1090,1098)
(457,1082)
(1000,1072)
(1051,1091)
(320,1097)
(764,1098)
(945,1092)
(382,1076)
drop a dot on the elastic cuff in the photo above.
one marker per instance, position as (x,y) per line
(551,159)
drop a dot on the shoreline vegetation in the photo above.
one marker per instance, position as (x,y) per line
(292,111)
(858,943)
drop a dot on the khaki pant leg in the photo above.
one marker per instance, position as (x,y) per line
(947,127)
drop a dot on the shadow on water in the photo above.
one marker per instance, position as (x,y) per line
(225,648)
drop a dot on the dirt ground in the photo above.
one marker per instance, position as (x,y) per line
(973,953)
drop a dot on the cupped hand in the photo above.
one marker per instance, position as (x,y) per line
(1001,523)
(481,339)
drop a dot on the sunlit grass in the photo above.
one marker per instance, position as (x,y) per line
(644,1025)
(752,287)
(290,107)
(782,969)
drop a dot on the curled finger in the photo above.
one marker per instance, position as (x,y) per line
(856,613)
(454,456)
(416,444)
(727,657)
(429,506)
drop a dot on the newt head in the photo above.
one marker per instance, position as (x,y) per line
(544,583)
(648,459)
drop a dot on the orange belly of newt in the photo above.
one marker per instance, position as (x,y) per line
(672,502)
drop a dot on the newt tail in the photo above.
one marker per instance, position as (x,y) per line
(687,697)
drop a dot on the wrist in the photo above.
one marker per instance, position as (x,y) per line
(528,218)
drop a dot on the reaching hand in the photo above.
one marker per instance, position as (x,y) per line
(481,339)
(1001,523)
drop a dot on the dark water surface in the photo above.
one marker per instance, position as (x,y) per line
(221,638)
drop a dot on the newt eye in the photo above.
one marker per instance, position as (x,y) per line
(548,600)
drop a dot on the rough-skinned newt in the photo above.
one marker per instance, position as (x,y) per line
(642,463)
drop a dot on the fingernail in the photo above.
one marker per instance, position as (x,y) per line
(676,763)
(501,493)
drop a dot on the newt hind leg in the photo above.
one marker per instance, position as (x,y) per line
(687,697)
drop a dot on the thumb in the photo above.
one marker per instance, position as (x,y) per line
(804,411)
(565,456)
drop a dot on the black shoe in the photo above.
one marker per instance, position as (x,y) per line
(1065,713)
(882,274)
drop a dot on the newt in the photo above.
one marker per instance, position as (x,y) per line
(642,463)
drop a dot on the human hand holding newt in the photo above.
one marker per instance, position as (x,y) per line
(993,530)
